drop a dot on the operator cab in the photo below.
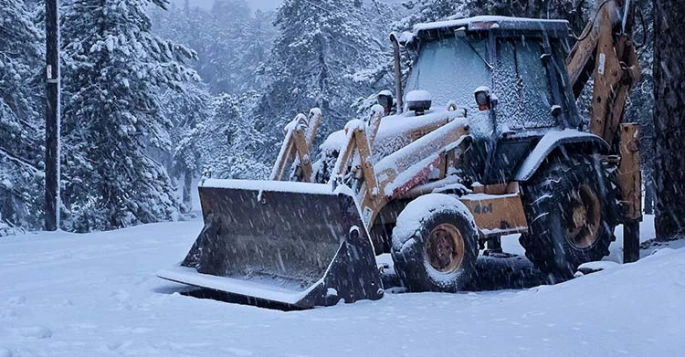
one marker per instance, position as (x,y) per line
(520,62)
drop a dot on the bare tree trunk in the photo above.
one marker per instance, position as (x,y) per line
(669,117)
(650,195)
(187,188)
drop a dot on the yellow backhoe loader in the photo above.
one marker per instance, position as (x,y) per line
(487,142)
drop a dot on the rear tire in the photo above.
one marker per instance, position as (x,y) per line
(568,207)
(435,244)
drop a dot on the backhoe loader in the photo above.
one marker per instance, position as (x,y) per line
(487,142)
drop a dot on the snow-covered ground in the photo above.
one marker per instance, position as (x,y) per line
(97,295)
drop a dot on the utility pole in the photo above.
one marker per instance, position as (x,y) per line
(52,119)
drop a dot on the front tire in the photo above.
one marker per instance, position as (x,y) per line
(568,207)
(435,244)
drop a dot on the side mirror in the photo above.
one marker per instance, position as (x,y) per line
(484,99)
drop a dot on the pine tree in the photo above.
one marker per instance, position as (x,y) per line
(320,47)
(20,129)
(232,43)
(114,71)
(253,48)
(187,110)
(429,10)
(191,27)
(575,12)
(382,14)
(228,144)
(224,70)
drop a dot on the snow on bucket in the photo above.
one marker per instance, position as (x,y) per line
(294,243)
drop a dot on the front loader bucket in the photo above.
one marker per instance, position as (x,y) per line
(294,243)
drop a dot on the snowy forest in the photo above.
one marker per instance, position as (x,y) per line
(156,95)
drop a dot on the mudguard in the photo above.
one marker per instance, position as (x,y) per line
(553,140)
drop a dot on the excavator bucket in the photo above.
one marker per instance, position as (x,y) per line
(299,244)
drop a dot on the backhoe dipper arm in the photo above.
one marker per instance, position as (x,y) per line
(605,53)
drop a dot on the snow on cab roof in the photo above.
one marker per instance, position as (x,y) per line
(481,23)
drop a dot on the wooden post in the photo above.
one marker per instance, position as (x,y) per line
(631,241)
(630,182)
(52,120)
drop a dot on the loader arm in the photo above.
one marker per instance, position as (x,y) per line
(297,146)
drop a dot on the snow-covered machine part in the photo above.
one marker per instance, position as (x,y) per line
(294,243)
(391,134)
(299,138)
(419,101)
(553,140)
(485,23)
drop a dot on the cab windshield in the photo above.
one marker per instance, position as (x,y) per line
(450,70)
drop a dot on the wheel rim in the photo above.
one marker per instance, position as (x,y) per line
(444,248)
(583,219)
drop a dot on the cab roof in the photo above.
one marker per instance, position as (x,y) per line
(553,28)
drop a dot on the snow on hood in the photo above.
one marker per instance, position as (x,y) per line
(395,125)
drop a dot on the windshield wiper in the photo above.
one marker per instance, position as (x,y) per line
(460,33)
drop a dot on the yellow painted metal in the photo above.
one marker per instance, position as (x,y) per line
(629,177)
(299,138)
(610,59)
(608,56)
(497,214)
